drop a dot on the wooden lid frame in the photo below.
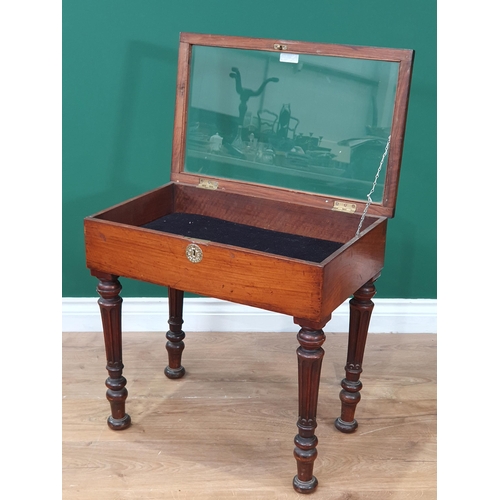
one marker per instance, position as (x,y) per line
(402,56)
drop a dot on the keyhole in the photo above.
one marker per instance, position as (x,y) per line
(194,253)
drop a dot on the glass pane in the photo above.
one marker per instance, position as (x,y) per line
(304,122)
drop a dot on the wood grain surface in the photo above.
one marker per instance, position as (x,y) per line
(226,429)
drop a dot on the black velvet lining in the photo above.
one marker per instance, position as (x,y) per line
(241,235)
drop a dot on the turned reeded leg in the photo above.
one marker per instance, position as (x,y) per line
(310,355)
(110,304)
(361,307)
(175,335)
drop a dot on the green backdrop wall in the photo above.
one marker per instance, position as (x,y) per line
(119,76)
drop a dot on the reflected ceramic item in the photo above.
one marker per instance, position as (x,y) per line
(268,156)
(215,143)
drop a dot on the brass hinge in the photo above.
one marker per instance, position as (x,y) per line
(208,184)
(342,206)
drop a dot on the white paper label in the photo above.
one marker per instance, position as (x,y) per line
(289,58)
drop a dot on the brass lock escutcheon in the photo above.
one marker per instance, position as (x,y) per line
(194,253)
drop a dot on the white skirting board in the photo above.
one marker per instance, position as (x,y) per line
(207,314)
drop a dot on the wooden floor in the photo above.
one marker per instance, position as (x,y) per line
(225,431)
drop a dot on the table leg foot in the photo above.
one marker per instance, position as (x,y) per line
(174,373)
(305,486)
(346,427)
(119,424)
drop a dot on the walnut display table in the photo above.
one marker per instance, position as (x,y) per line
(285,168)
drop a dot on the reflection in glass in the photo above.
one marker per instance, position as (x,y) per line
(317,124)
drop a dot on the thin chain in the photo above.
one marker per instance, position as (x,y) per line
(369,202)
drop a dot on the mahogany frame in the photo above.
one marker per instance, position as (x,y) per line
(402,56)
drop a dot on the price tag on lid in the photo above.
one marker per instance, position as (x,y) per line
(289,58)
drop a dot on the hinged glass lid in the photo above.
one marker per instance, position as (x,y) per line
(312,123)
